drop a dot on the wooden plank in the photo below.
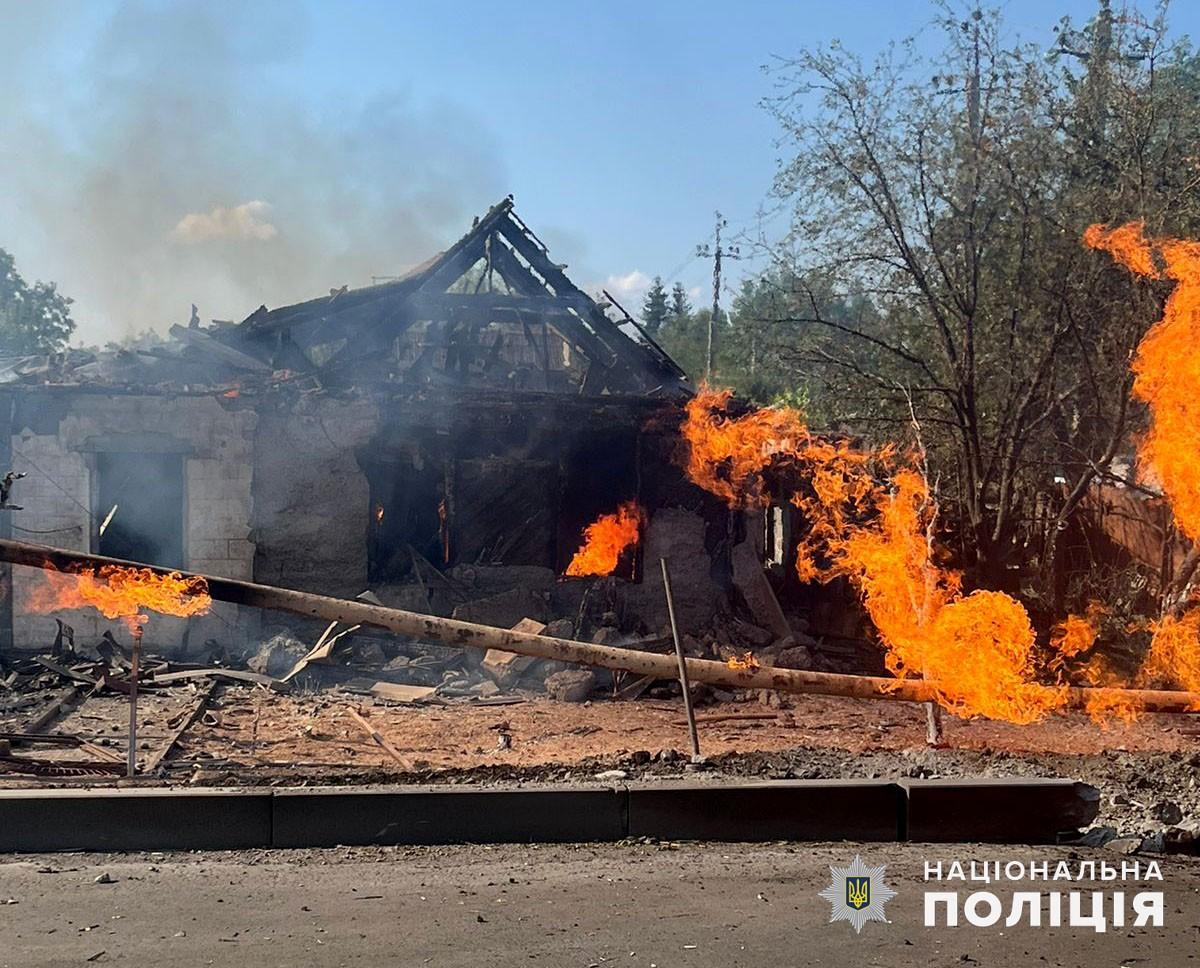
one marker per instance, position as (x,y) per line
(54,709)
(318,653)
(727,718)
(634,689)
(233,675)
(64,671)
(379,740)
(398,692)
(56,739)
(504,667)
(191,716)
(101,753)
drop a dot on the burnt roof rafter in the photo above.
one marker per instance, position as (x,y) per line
(620,357)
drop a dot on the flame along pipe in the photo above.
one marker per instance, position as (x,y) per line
(460,634)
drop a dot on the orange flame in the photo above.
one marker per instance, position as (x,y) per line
(1174,655)
(870,515)
(743,663)
(606,540)
(121,593)
(1076,634)
(1167,373)
(1167,365)
(1071,639)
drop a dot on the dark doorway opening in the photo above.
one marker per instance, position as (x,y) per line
(407,513)
(147,492)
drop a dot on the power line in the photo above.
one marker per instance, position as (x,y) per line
(716,253)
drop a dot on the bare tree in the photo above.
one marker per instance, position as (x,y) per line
(945,198)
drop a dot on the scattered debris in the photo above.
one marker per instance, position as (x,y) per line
(571,685)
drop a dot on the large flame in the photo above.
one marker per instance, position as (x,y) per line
(1167,365)
(123,593)
(1167,370)
(870,517)
(605,540)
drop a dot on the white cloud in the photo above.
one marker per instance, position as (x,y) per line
(629,289)
(245,221)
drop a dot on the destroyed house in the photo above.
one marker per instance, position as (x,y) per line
(442,439)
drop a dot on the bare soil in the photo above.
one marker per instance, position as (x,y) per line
(1146,771)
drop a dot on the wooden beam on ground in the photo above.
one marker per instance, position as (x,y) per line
(232,675)
(56,707)
(64,671)
(156,758)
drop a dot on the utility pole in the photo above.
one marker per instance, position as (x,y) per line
(716,254)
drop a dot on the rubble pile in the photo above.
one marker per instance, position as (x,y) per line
(63,712)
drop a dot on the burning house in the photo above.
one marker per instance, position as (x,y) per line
(445,439)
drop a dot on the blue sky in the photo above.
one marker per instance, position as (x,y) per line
(618,126)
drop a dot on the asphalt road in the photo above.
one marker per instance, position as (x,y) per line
(627,905)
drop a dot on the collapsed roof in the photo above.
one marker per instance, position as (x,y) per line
(491,312)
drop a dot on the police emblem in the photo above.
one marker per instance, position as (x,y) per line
(857,894)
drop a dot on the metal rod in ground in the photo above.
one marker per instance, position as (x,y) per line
(131,764)
(934,736)
(683,672)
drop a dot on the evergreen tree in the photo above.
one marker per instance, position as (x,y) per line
(655,311)
(680,306)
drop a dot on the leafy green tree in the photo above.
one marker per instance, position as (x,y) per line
(655,311)
(769,357)
(33,319)
(943,197)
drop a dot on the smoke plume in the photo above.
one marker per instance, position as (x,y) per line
(158,155)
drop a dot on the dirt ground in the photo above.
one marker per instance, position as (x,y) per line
(544,732)
(634,904)
(1145,771)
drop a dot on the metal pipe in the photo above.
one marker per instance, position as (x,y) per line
(452,632)
(131,764)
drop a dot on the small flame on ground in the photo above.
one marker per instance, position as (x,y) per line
(606,540)
(121,593)
(379,512)
(1074,636)
(743,663)
(1174,655)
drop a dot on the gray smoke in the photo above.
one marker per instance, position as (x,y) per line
(151,157)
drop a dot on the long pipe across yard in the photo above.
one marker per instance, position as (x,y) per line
(452,632)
